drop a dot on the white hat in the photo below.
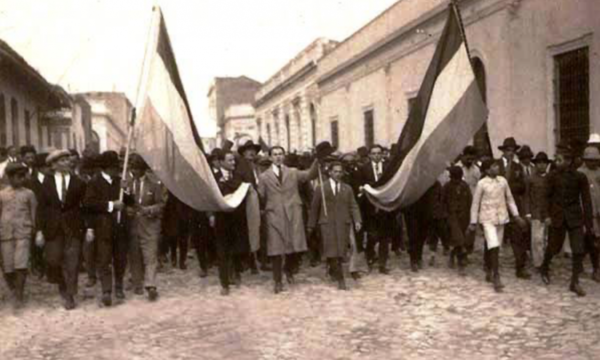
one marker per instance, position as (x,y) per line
(55,155)
(594,139)
(591,153)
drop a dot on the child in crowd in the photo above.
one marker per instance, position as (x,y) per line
(17,224)
(458,199)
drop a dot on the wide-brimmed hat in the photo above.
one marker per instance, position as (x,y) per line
(214,154)
(509,143)
(15,168)
(591,153)
(541,157)
(27,149)
(525,152)
(249,145)
(56,155)
(324,149)
(109,159)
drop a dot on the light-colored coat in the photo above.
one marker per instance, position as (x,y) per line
(283,210)
(492,202)
(335,227)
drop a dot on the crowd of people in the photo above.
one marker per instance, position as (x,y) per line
(62,215)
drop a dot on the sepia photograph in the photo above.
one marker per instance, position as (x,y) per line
(299,180)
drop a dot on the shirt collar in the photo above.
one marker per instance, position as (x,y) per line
(106,177)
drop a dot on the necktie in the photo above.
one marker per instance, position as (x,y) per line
(63,188)
(279,175)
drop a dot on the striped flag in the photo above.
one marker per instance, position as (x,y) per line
(166,135)
(447,113)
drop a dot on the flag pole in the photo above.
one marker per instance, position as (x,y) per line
(461,25)
(133,112)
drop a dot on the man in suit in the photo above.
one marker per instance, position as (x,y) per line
(570,212)
(107,230)
(513,172)
(247,170)
(377,222)
(231,228)
(278,191)
(61,224)
(337,222)
(144,215)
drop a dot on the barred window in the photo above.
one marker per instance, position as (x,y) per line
(27,127)
(572,94)
(335,134)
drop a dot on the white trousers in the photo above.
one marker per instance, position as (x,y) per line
(494,235)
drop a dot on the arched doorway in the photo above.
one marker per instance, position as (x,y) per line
(482,138)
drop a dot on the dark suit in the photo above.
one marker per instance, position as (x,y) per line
(111,245)
(518,237)
(570,211)
(231,230)
(378,223)
(178,224)
(62,223)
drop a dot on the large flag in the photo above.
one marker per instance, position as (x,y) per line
(166,135)
(447,113)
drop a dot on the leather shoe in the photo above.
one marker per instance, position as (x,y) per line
(290,278)
(355,275)
(545,276)
(278,288)
(107,299)
(414,267)
(69,302)
(119,294)
(152,294)
(576,288)
(384,271)
(498,286)
(523,274)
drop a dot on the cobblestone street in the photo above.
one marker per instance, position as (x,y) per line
(434,314)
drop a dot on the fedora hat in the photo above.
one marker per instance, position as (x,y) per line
(57,154)
(591,153)
(541,157)
(324,149)
(525,152)
(249,145)
(509,143)
(138,162)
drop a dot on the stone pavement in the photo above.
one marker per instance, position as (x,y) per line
(434,314)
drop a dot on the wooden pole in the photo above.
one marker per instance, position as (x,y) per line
(322,191)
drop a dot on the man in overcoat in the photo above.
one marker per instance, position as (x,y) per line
(337,222)
(286,234)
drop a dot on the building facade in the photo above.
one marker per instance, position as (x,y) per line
(536,61)
(287,105)
(25,100)
(231,107)
(110,118)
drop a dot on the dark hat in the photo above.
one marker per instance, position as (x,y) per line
(363,151)
(487,164)
(90,162)
(469,150)
(292,160)
(541,157)
(324,149)
(227,145)
(40,160)
(27,149)
(15,168)
(74,152)
(456,172)
(137,162)
(214,154)
(509,143)
(525,152)
(249,145)
(109,159)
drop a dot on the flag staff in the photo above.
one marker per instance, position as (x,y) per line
(461,25)
(133,113)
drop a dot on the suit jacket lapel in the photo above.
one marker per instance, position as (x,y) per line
(285,172)
(271,174)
